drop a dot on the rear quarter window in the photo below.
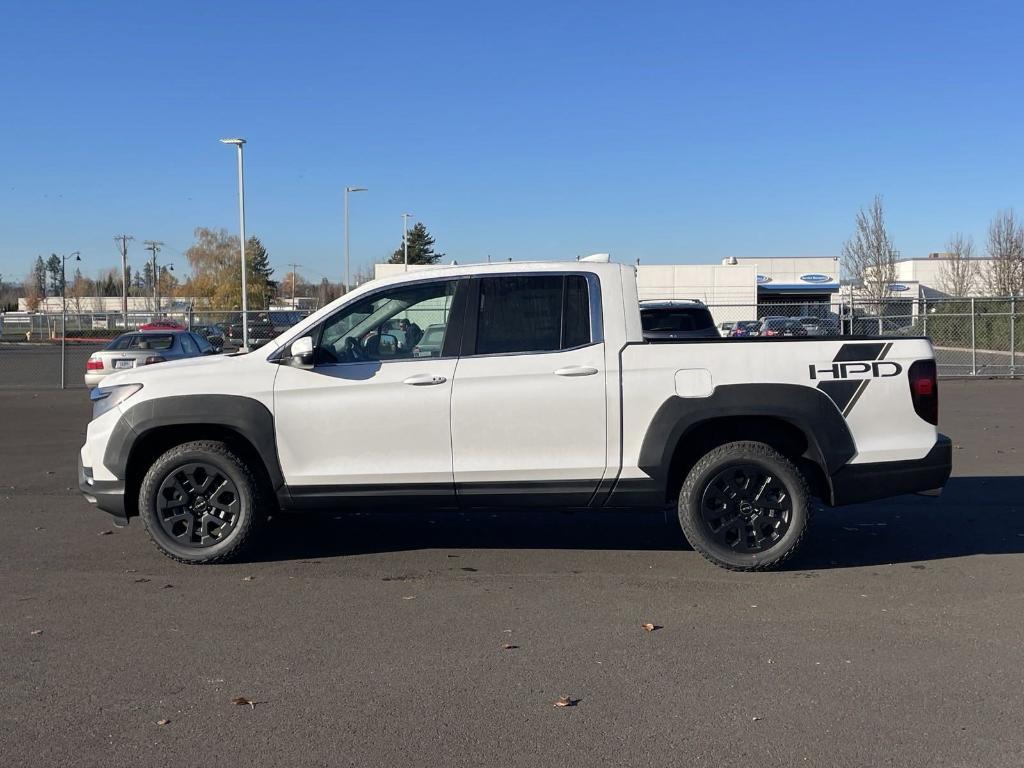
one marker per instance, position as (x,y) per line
(676,319)
(121,342)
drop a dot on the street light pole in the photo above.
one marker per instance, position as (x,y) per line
(64,309)
(347,273)
(405,238)
(241,234)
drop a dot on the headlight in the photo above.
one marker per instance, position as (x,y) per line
(105,398)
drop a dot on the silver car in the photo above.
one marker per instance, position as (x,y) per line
(136,348)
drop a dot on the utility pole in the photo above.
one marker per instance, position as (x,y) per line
(153,246)
(124,275)
(294,267)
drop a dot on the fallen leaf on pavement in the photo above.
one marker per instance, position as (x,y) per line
(650,627)
(565,701)
(241,701)
(248,578)
(509,647)
(36,632)
(104,533)
(163,721)
(141,581)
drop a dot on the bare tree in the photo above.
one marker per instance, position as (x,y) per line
(1005,273)
(869,256)
(959,270)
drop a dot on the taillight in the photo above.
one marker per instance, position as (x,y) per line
(94,365)
(770,333)
(154,359)
(924,390)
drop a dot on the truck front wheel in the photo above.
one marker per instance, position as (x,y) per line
(744,506)
(200,503)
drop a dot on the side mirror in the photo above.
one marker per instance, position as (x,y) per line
(301,353)
(387,345)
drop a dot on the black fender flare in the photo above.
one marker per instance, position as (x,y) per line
(248,417)
(829,441)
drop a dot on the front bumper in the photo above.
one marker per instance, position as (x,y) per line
(854,483)
(107,495)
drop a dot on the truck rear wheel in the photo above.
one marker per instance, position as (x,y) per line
(200,503)
(744,506)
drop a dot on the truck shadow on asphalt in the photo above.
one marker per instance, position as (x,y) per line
(975,515)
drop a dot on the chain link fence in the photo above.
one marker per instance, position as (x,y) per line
(972,337)
(50,350)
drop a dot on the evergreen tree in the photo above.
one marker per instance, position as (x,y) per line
(39,276)
(54,268)
(258,261)
(147,277)
(421,248)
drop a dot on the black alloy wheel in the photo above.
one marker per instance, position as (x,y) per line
(202,503)
(746,508)
(197,505)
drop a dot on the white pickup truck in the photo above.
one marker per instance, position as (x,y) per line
(538,390)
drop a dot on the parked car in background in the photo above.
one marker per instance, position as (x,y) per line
(664,320)
(430,344)
(745,328)
(263,326)
(162,325)
(137,348)
(819,326)
(212,333)
(812,325)
(781,326)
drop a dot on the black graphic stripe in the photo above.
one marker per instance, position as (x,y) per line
(841,391)
(852,353)
(862,385)
(885,351)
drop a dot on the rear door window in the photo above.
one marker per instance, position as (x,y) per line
(532,313)
(188,345)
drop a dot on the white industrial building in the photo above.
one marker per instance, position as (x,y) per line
(739,282)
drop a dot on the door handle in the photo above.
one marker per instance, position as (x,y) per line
(424,380)
(576,370)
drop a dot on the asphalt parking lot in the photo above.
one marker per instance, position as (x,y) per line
(896,638)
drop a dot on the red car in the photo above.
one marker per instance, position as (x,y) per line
(162,325)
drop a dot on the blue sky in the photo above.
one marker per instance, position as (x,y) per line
(669,132)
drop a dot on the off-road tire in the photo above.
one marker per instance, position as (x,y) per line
(251,503)
(697,494)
